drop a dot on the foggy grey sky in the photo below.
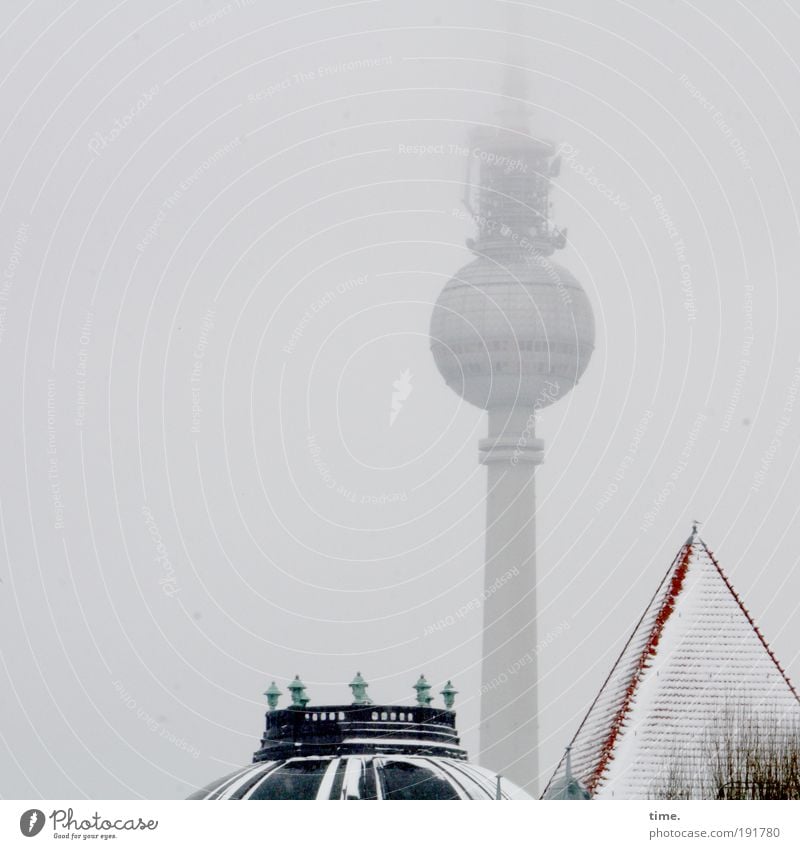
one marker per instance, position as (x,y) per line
(220,199)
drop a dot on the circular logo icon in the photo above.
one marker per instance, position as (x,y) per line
(31,822)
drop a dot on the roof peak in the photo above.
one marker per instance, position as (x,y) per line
(694,646)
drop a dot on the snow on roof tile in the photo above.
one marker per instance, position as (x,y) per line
(694,650)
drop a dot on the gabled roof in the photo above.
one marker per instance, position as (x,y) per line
(694,652)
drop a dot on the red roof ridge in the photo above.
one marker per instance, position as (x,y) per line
(668,605)
(680,558)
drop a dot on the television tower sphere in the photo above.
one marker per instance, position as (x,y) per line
(512,331)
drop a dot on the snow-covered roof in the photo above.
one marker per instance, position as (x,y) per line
(368,776)
(694,654)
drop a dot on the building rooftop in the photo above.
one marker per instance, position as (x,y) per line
(694,654)
(360,751)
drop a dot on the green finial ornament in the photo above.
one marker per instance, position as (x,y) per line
(449,692)
(359,687)
(298,690)
(423,688)
(273,694)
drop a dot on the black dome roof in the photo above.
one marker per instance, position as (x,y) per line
(360,752)
(361,777)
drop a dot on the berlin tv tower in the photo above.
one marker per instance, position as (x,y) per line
(511,333)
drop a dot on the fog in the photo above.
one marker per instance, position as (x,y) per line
(224,227)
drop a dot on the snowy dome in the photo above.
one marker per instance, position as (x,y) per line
(361,777)
(360,751)
(512,333)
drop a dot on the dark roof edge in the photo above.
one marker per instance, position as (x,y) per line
(750,619)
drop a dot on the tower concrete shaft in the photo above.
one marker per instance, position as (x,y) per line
(509,709)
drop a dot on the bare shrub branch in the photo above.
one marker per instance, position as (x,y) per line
(742,755)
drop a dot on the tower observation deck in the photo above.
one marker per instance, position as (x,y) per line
(511,333)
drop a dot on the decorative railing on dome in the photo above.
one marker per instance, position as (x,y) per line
(361,726)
